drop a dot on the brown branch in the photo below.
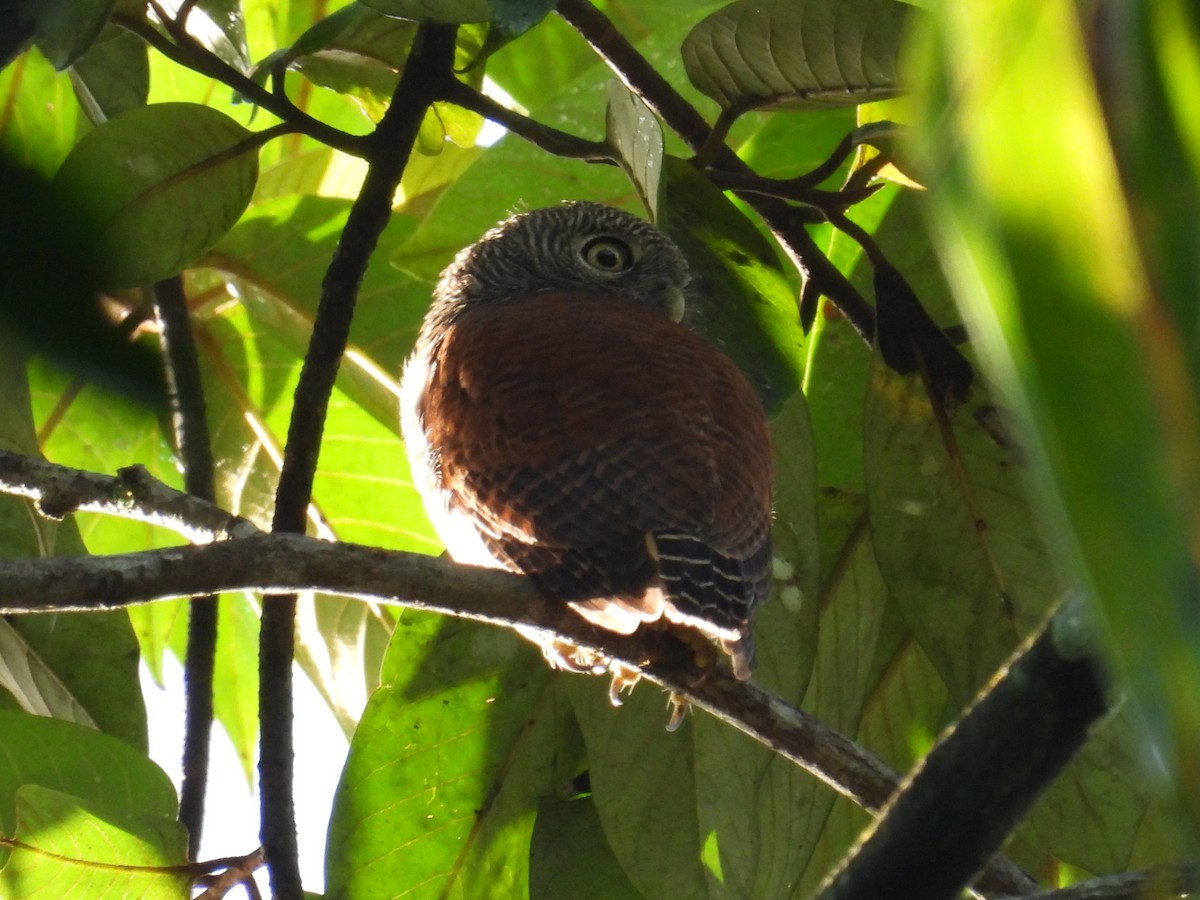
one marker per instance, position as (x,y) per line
(786,222)
(238,871)
(430,60)
(275,562)
(193,56)
(552,140)
(190,421)
(133,493)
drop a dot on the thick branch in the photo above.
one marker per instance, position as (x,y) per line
(431,60)
(288,562)
(972,790)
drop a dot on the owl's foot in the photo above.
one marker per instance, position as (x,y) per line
(571,658)
(624,679)
(679,706)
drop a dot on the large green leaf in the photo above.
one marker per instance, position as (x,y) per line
(162,183)
(65,28)
(219,26)
(113,75)
(570,857)
(81,762)
(1078,321)
(798,54)
(39,128)
(465,736)
(740,297)
(77,848)
(77,667)
(356,51)
(953,529)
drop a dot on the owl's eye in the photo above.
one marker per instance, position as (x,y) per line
(607,254)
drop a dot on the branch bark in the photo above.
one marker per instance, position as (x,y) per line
(430,61)
(290,562)
(189,419)
(957,807)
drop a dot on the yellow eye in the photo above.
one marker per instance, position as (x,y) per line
(607,254)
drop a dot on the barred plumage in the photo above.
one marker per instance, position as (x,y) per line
(561,423)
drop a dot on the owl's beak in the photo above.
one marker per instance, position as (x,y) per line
(674,302)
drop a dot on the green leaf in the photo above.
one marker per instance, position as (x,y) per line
(797,54)
(570,857)
(356,51)
(218,26)
(1078,323)
(40,127)
(72,847)
(17,29)
(954,533)
(515,17)
(80,762)
(561,57)
(78,667)
(634,132)
(66,28)
(741,298)
(163,183)
(644,781)
(113,75)
(455,751)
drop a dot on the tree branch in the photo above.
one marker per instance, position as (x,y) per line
(431,60)
(970,792)
(1159,883)
(190,422)
(552,140)
(133,493)
(195,57)
(295,562)
(785,222)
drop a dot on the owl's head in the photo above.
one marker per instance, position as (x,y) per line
(577,246)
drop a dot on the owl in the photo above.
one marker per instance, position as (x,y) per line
(563,423)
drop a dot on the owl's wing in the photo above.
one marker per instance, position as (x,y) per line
(613,456)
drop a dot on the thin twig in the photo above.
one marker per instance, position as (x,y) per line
(799,190)
(785,222)
(197,58)
(1158,883)
(190,422)
(133,493)
(552,140)
(238,871)
(389,146)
